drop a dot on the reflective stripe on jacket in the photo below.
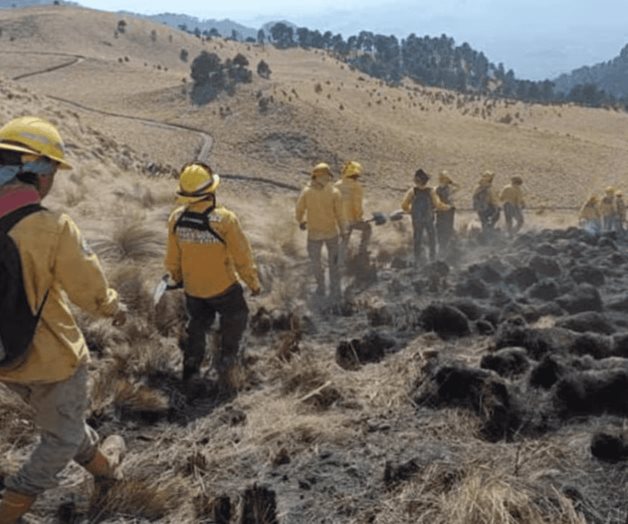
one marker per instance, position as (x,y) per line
(352,195)
(206,266)
(55,257)
(321,207)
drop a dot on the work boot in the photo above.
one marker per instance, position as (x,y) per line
(13,506)
(106,461)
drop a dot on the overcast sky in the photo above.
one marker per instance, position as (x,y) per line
(537,38)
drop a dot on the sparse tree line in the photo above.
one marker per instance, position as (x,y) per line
(436,62)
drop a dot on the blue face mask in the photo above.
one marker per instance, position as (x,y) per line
(8,173)
(41,166)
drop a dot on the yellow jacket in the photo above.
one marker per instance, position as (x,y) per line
(589,212)
(322,207)
(352,195)
(55,258)
(206,266)
(621,208)
(607,206)
(512,194)
(406,203)
(491,197)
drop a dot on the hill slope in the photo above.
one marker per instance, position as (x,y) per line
(611,76)
(320,110)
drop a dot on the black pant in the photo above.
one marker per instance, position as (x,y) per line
(427,227)
(513,213)
(233,312)
(444,229)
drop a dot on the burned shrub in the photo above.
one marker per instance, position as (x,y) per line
(507,362)
(545,266)
(585,274)
(592,393)
(447,321)
(522,278)
(351,355)
(547,372)
(587,321)
(583,298)
(609,448)
(477,390)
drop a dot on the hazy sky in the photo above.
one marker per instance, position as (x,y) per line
(537,38)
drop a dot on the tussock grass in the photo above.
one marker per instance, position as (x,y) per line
(144,497)
(131,239)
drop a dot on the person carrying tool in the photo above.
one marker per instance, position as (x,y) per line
(421,202)
(45,264)
(445,218)
(513,203)
(206,253)
(485,202)
(589,216)
(608,210)
(352,212)
(319,211)
(620,208)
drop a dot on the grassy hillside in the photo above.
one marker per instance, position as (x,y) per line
(320,110)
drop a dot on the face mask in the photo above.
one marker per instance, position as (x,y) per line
(41,166)
(8,173)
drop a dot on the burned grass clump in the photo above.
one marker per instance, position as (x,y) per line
(351,355)
(477,390)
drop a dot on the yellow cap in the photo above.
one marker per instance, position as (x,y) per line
(196,183)
(35,136)
(443,178)
(351,169)
(321,169)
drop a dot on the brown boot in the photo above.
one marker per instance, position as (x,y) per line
(107,459)
(13,505)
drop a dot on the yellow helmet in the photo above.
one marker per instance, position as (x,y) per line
(610,190)
(196,183)
(321,169)
(444,178)
(351,169)
(32,135)
(619,193)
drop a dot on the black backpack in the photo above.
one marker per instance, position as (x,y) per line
(17,321)
(199,222)
(422,205)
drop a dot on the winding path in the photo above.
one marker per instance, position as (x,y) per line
(207,140)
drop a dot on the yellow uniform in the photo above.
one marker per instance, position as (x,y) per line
(56,260)
(321,206)
(204,265)
(512,194)
(590,211)
(352,196)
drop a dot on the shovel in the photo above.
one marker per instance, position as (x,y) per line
(162,287)
(378,218)
(397,216)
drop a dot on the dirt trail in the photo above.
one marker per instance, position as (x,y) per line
(207,141)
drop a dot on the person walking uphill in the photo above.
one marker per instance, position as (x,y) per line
(485,202)
(319,211)
(589,216)
(421,202)
(608,210)
(513,203)
(445,218)
(206,252)
(352,211)
(44,263)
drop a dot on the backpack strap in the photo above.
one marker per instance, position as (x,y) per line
(9,221)
(199,221)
